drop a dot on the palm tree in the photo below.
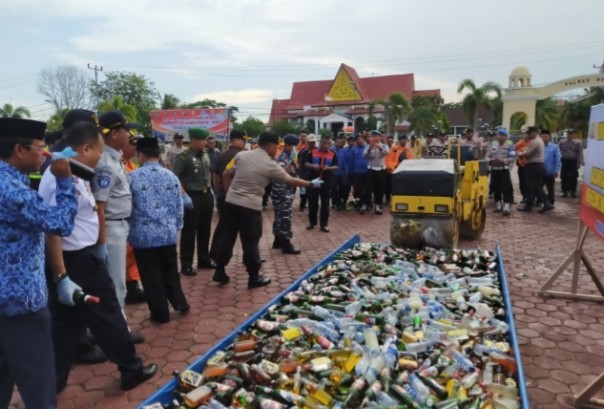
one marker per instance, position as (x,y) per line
(118,104)
(169,101)
(396,109)
(548,114)
(55,122)
(478,97)
(423,119)
(8,111)
(517,121)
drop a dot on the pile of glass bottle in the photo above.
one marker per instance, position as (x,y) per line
(379,327)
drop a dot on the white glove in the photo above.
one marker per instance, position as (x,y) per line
(316,183)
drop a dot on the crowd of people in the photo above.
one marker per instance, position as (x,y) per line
(110,231)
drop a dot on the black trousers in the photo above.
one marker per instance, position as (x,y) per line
(568,175)
(349,184)
(550,181)
(388,186)
(105,319)
(533,183)
(359,189)
(248,224)
(220,201)
(521,181)
(339,190)
(27,359)
(267,194)
(313,204)
(502,185)
(374,184)
(197,225)
(158,267)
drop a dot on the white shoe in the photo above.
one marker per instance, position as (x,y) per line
(498,207)
(506,209)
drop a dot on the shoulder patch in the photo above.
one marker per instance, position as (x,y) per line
(103,178)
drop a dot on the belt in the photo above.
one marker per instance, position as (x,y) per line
(375,168)
(125,219)
(197,191)
(500,168)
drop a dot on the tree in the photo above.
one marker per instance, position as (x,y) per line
(252,126)
(326,132)
(575,114)
(478,97)
(283,127)
(8,111)
(117,104)
(517,121)
(396,109)
(548,114)
(55,122)
(427,115)
(134,89)
(212,103)
(169,101)
(66,86)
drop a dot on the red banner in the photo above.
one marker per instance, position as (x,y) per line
(166,123)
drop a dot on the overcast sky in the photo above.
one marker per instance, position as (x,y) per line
(246,53)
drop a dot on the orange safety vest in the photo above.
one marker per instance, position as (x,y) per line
(521,145)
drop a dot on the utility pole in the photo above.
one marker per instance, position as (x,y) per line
(96,81)
(600,68)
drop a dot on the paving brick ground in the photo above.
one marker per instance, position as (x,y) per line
(562,341)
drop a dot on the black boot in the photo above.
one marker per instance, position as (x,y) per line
(220,276)
(288,248)
(134,294)
(278,243)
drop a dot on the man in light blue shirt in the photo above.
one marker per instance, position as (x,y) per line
(552,163)
(156,219)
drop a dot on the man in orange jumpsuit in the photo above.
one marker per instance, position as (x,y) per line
(134,292)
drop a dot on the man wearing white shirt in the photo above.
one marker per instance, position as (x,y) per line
(78,255)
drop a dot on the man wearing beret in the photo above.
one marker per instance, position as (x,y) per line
(114,200)
(192,167)
(282,196)
(26,350)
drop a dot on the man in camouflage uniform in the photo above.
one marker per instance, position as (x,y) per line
(501,155)
(283,197)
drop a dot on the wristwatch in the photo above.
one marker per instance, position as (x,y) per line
(59,277)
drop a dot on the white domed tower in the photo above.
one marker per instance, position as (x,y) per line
(520,78)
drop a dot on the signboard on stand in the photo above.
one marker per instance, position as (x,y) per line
(592,198)
(166,123)
(591,218)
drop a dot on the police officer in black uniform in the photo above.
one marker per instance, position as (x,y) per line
(193,169)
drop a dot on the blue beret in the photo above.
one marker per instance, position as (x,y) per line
(290,139)
(502,131)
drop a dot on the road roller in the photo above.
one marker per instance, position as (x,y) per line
(436,200)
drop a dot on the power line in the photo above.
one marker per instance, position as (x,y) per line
(391,62)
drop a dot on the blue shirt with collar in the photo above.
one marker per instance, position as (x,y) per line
(551,160)
(341,154)
(24,218)
(157,208)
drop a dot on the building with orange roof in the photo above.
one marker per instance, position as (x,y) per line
(342,101)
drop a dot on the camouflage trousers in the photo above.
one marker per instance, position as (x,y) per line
(282,197)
